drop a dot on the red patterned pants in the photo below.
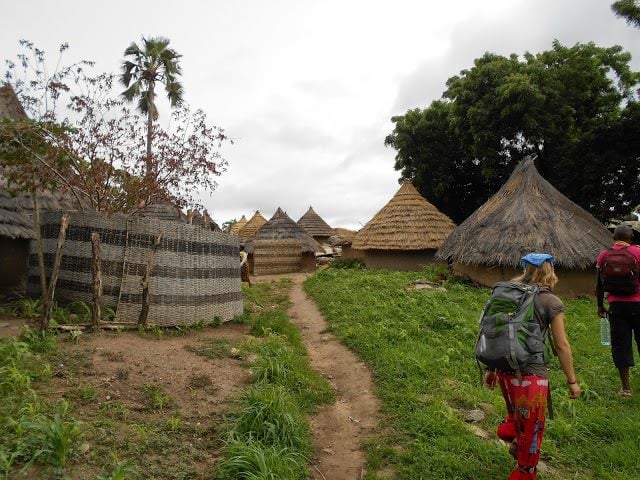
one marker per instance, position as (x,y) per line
(526,406)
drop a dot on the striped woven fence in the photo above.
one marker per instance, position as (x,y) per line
(195,275)
(276,256)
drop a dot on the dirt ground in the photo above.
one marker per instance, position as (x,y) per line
(119,365)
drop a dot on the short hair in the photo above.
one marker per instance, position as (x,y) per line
(623,232)
(544,275)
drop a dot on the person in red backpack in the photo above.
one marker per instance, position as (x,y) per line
(623,260)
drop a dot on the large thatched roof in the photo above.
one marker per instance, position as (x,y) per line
(10,106)
(527,215)
(314,225)
(282,227)
(235,228)
(407,222)
(252,226)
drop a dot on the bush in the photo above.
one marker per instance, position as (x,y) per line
(347,263)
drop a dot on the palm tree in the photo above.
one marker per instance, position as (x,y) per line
(629,10)
(142,68)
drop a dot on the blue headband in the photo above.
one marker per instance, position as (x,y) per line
(536,259)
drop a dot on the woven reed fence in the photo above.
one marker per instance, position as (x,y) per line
(276,256)
(195,275)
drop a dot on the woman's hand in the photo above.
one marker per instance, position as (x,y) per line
(490,379)
(574,390)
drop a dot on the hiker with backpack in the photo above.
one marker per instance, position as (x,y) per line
(618,270)
(511,344)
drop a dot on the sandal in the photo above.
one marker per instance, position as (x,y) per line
(624,393)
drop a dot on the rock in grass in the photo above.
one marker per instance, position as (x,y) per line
(474,416)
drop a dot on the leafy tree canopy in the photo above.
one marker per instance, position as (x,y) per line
(629,10)
(575,107)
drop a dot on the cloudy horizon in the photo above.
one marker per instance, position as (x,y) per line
(306,90)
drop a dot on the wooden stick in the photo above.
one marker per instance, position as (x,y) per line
(54,272)
(144,311)
(96,270)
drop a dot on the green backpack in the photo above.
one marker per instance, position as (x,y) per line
(510,336)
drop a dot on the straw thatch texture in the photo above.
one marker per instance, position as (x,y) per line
(195,275)
(252,226)
(163,211)
(314,225)
(282,227)
(276,256)
(407,222)
(10,106)
(342,237)
(527,215)
(235,228)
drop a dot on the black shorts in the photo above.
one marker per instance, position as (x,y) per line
(625,322)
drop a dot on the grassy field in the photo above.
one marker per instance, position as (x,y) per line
(63,417)
(419,345)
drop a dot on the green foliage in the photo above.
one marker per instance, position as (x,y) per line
(57,436)
(629,10)
(156,398)
(575,107)
(252,460)
(419,345)
(211,348)
(347,263)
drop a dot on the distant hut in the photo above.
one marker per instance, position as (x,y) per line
(315,226)
(343,238)
(528,215)
(252,226)
(281,227)
(164,211)
(235,228)
(405,234)
(16,227)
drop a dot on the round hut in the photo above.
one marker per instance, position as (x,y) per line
(343,238)
(405,234)
(235,228)
(282,246)
(315,226)
(528,215)
(251,227)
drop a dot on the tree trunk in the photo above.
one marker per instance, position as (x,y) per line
(54,271)
(144,311)
(96,270)
(150,108)
(36,226)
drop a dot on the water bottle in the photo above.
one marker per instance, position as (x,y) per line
(605,332)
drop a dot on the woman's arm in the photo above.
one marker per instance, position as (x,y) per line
(564,354)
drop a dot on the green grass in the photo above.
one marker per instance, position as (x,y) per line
(419,346)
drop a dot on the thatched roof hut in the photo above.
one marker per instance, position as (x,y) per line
(166,211)
(252,226)
(282,227)
(10,106)
(527,215)
(235,228)
(405,233)
(315,226)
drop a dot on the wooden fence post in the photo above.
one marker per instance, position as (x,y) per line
(144,311)
(48,304)
(96,270)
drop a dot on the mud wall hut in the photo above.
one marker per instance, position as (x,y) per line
(195,275)
(527,215)
(282,227)
(405,233)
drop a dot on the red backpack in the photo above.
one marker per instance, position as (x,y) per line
(619,272)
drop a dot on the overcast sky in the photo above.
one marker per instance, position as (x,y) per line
(306,89)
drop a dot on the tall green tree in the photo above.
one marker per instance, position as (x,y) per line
(144,66)
(629,10)
(575,107)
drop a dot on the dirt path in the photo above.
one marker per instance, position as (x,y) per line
(338,429)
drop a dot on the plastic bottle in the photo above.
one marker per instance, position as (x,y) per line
(605,332)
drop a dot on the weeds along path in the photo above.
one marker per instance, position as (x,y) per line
(338,429)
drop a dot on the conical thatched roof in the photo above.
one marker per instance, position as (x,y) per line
(282,227)
(252,226)
(235,228)
(407,222)
(163,211)
(10,106)
(527,215)
(314,225)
